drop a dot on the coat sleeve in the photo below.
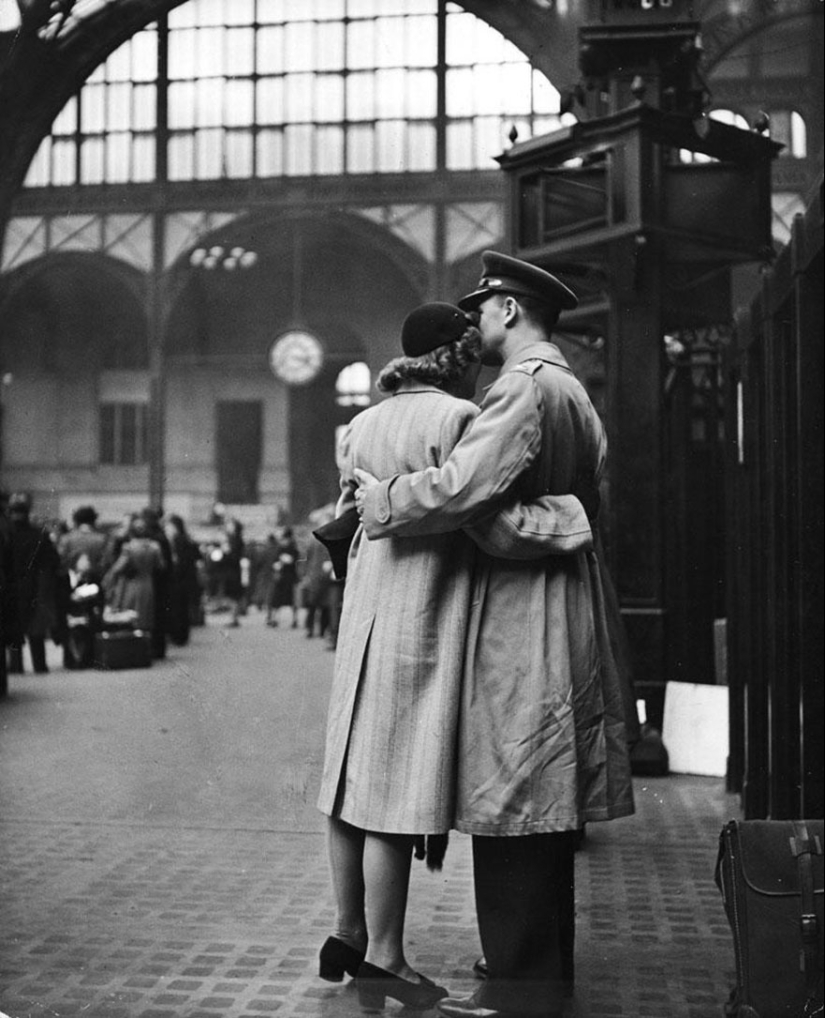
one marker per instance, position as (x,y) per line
(552,525)
(503,441)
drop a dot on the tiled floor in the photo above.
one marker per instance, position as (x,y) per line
(172,911)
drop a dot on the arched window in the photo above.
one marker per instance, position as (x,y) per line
(352,387)
(788,128)
(264,88)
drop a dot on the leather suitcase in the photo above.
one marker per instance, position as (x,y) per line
(770,875)
(122,648)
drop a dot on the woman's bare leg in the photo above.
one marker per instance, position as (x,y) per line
(387,859)
(345,850)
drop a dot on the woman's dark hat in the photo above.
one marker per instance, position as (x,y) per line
(432,325)
(505,274)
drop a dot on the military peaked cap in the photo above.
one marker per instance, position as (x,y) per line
(432,325)
(505,274)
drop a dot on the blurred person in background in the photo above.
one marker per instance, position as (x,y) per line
(37,568)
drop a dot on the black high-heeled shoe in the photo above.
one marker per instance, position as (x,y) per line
(374,985)
(336,958)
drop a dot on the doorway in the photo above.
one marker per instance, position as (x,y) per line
(239,440)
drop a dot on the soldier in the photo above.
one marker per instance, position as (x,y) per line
(543,743)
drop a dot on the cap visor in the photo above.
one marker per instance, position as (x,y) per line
(472,300)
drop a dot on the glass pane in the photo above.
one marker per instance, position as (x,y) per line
(240,52)
(182,54)
(118,150)
(421,42)
(329,9)
(119,64)
(209,102)
(181,157)
(182,104)
(489,141)
(64,170)
(239,12)
(182,17)
(270,153)
(210,59)
(270,11)
(487,89)
(422,93)
(92,154)
(516,81)
(329,150)
(360,97)
(299,88)
(270,47)
(209,12)
(391,150)
(66,120)
(144,98)
(390,94)
(460,40)
(239,153)
(92,109)
(119,107)
(299,49)
(239,98)
(422,147)
(459,145)
(329,98)
(545,95)
(361,44)
(38,172)
(329,47)
(145,56)
(489,45)
(390,43)
(209,148)
(143,157)
(270,101)
(360,149)
(299,150)
(459,88)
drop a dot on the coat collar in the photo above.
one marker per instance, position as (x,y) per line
(410,388)
(547,352)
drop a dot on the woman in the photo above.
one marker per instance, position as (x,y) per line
(130,582)
(391,735)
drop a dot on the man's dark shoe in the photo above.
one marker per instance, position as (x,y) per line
(468,1007)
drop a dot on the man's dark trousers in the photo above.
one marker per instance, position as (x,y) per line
(524,902)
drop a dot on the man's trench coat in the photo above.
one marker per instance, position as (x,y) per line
(543,743)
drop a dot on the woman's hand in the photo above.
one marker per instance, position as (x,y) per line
(365,480)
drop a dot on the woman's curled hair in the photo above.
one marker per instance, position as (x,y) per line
(443,367)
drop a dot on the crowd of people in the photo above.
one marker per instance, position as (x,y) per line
(479,683)
(151,570)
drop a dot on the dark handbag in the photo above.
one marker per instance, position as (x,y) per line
(336,536)
(770,875)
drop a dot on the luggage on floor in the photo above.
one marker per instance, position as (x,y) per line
(770,875)
(123,648)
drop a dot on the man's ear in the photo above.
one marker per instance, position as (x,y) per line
(511,310)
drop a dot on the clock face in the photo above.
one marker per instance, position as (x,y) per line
(296,357)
